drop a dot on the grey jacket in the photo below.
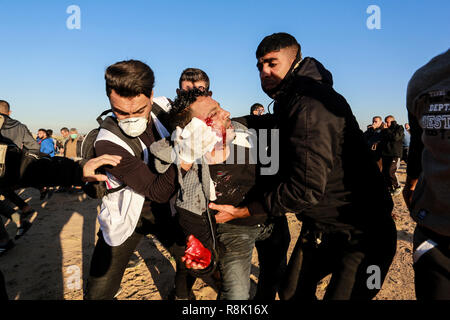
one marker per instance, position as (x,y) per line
(14,132)
(428,103)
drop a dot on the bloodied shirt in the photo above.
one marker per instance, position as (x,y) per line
(234,179)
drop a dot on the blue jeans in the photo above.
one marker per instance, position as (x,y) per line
(235,262)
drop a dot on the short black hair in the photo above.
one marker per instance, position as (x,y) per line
(255,106)
(389,116)
(194,75)
(276,42)
(180,114)
(64,129)
(49,132)
(129,78)
(44,130)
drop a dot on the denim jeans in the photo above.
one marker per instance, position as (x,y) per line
(235,262)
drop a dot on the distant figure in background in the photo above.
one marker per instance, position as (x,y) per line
(407,128)
(373,139)
(50,136)
(392,139)
(47,145)
(257,109)
(17,134)
(72,147)
(65,136)
(406,141)
(427,186)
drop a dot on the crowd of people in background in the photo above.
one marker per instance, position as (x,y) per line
(389,144)
(43,144)
(210,211)
(67,145)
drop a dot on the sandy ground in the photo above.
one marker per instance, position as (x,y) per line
(52,260)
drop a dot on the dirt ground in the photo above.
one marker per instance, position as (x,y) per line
(52,260)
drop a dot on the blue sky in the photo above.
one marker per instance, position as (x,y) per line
(53,76)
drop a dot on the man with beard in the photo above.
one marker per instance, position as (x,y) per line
(327,177)
(229,173)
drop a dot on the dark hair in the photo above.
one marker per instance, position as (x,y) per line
(4,106)
(129,79)
(49,132)
(377,117)
(64,129)
(43,130)
(389,116)
(194,75)
(276,42)
(180,114)
(255,106)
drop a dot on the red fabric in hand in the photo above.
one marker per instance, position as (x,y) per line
(196,255)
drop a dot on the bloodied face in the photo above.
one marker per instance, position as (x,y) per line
(208,110)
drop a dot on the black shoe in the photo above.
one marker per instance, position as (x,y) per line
(5,248)
(24,227)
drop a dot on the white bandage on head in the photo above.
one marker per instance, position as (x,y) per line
(195,140)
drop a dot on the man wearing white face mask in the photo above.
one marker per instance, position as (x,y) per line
(72,146)
(140,204)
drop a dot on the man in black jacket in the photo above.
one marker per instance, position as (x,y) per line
(392,140)
(373,138)
(327,177)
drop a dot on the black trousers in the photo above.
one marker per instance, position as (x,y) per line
(14,198)
(389,169)
(3,294)
(348,256)
(432,269)
(108,263)
(272,256)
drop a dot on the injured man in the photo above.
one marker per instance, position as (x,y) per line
(217,162)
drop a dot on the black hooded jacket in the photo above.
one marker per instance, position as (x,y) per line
(392,140)
(327,175)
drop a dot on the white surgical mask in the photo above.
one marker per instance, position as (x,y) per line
(133,127)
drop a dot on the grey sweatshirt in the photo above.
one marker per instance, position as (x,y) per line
(15,132)
(428,103)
